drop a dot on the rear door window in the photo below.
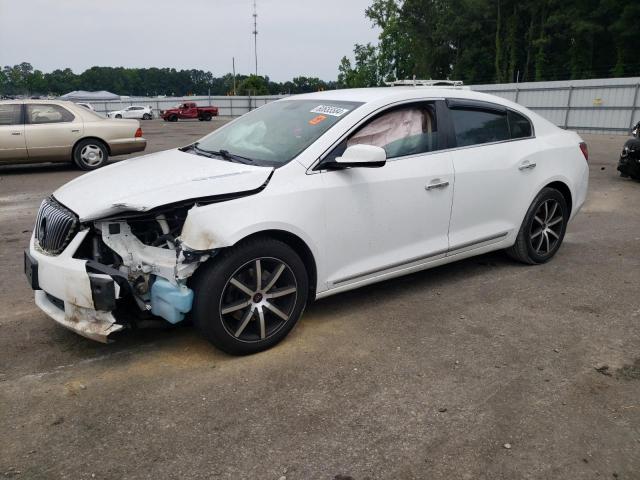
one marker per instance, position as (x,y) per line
(475,126)
(47,113)
(10,114)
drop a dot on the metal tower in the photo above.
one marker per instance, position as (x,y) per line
(255,33)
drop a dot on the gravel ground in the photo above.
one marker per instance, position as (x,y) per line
(483,369)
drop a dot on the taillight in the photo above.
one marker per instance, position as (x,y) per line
(585,150)
(138,133)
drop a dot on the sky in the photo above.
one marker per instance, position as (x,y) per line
(295,37)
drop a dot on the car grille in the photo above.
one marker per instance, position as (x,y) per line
(55,226)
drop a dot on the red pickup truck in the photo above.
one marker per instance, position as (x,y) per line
(189,110)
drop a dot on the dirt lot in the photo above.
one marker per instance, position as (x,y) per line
(484,369)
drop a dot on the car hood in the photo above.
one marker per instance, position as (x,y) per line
(142,183)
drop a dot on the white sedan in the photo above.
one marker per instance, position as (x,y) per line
(134,111)
(300,199)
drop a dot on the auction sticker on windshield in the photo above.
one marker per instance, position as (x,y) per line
(330,110)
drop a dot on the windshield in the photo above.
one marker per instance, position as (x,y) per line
(277,132)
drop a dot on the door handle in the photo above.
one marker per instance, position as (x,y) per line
(75,130)
(527,166)
(436,184)
(16,133)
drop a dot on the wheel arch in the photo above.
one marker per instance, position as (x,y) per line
(299,246)
(564,189)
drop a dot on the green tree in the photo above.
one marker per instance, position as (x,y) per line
(254,85)
(482,41)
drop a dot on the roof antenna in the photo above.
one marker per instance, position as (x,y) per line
(255,34)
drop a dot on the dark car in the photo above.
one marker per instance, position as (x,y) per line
(629,164)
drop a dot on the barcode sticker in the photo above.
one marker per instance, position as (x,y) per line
(330,110)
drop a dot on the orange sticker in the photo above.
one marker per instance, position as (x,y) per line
(317,120)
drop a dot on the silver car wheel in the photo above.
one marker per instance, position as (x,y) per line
(258,299)
(91,155)
(546,227)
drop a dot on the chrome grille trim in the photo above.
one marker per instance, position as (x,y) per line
(55,226)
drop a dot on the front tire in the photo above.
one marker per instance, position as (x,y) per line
(118,116)
(173,118)
(90,154)
(250,296)
(543,228)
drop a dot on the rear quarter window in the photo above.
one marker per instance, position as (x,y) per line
(519,125)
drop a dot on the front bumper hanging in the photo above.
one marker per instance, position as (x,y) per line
(70,295)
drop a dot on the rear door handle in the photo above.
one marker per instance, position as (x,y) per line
(16,133)
(527,166)
(436,184)
(75,130)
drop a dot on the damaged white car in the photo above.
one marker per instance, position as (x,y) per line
(300,199)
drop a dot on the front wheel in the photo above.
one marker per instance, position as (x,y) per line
(90,154)
(251,296)
(173,118)
(118,116)
(543,228)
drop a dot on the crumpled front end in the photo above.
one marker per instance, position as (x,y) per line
(98,278)
(629,163)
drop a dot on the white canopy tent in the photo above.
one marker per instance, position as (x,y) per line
(83,96)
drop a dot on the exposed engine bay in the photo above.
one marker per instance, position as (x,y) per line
(144,256)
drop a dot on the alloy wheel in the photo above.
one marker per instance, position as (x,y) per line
(546,227)
(91,155)
(258,299)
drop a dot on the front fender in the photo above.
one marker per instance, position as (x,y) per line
(281,208)
(201,232)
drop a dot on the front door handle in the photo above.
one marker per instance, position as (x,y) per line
(16,133)
(527,166)
(75,130)
(436,184)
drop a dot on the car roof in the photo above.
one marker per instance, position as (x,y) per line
(394,94)
(366,95)
(39,101)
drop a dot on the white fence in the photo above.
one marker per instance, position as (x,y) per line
(610,105)
(227,106)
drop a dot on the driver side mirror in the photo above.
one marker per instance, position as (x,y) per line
(363,156)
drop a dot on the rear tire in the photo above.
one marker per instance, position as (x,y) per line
(90,154)
(542,229)
(146,116)
(250,296)
(206,117)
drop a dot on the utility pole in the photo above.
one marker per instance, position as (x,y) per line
(233,59)
(255,33)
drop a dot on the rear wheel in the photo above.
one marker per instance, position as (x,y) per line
(251,296)
(90,154)
(146,116)
(543,228)
(206,117)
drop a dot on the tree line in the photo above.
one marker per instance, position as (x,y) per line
(23,79)
(477,41)
(494,41)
